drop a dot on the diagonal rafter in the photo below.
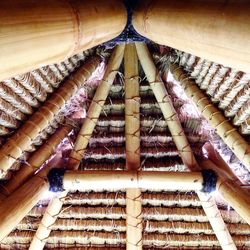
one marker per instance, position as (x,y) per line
(132,135)
(214,116)
(20,202)
(182,144)
(55,205)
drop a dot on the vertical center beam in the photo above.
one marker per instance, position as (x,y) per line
(132,133)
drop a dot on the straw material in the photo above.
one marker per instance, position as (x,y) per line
(21,141)
(149,213)
(80,144)
(178,227)
(8,95)
(22,92)
(35,161)
(227,87)
(32,85)
(224,129)
(77,238)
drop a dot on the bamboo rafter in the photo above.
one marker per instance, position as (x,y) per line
(80,145)
(34,162)
(182,143)
(216,119)
(22,139)
(132,134)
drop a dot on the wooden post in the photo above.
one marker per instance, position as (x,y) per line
(182,144)
(23,137)
(80,146)
(132,134)
(34,162)
(38,33)
(194,26)
(215,118)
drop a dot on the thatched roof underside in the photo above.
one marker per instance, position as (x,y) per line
(96,220)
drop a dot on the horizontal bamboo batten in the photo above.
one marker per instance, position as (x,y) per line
(179,24)
(34,162)
(216,119)
(92,180)
(80,145)
(23,137)
(62,29)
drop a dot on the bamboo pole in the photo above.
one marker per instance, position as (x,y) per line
(228,185)
(34,162)
(19,203)
(166,106)
(188,26)
(117,180)
(34,34)
(22,139)
(132,134)
(214,161)
(216,119)
(182,144)
(96,107)
(80,146)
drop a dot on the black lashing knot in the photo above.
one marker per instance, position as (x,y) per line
(55,178)
(129,33)
(209,180)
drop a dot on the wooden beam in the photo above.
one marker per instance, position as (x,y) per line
(80,146)
(22,139)
(215,118)
(34,162)
(229,186)
(182,144)
(132,135)
(117,180)
(15,207)
(188,26)
(166,106)
(62,29)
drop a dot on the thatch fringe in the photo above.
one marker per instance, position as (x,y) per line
(152,139)
(149,213)
(8,95)
(243,114)
(239,100)
(16,87)
(148,124)
(32,85)
(8,121)
(11,110)
(39,77)
(78,238)
(21,141)
(227,87)
(119,152)
(177,227)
